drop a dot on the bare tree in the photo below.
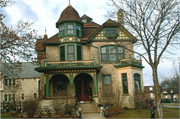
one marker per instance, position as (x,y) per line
(156,25)
(17,43)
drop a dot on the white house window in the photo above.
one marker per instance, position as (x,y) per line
(150,88)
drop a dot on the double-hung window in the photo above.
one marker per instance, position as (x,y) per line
(107,86)
(9,82)
(125,83)
(9,98)
(137,82)
(62,30)
(70,29)
(5,97)
(77,29)
(62,53)
(112,53)
(70,52)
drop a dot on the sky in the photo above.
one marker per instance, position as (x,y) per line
(45,13)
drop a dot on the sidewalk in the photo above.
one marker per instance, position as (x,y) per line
(92,116)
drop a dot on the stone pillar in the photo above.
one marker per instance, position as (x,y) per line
(47,87)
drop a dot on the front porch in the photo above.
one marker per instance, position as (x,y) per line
(77,78)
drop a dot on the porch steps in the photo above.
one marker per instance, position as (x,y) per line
(87,107)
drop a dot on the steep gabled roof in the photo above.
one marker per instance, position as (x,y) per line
(85,16)
(111,22)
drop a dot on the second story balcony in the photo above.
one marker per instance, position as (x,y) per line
(129,62)
(56,65)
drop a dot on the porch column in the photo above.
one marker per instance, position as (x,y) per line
(47,86)
(95,86)
(71,83)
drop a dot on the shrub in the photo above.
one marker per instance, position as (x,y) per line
(30,107)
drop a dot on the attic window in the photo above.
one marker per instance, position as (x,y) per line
(110,30)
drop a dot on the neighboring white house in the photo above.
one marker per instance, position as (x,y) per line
(27,81)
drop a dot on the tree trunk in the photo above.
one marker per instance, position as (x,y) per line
(157,93)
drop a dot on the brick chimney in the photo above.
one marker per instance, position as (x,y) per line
(120,17)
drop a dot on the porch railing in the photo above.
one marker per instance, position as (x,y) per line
(70,63)
(130,61)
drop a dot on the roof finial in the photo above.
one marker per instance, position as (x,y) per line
(69,3)
(45,30)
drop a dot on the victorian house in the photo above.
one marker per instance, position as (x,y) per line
(84,59)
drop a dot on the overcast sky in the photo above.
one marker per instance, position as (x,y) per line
(45,13)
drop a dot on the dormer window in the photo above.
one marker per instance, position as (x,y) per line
(62,30)
(70,29)
(88,21)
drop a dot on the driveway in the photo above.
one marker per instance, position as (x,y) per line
(171,106)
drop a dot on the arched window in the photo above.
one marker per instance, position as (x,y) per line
(137,82)
(111,53)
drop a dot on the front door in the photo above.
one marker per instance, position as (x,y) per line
(82,90)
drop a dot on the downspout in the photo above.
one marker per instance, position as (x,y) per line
(94,47)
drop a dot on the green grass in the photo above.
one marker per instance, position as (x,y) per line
(168,113)
(7,116)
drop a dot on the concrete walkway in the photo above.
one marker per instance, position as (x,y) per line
(92,116)
(171,106)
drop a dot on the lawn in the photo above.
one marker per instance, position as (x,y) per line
(168,113)
(7,116)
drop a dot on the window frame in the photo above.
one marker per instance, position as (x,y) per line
(139,81)
(66,52)
(79,30)
(9,97)
(110,85)
(9,82)
(108,54)
(62,30)
(105,30)
(34,96)
(123,83)
(70,29)
(5,97)
(5,82)
(22,96)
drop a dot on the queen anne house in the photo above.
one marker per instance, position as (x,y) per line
(83,59)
